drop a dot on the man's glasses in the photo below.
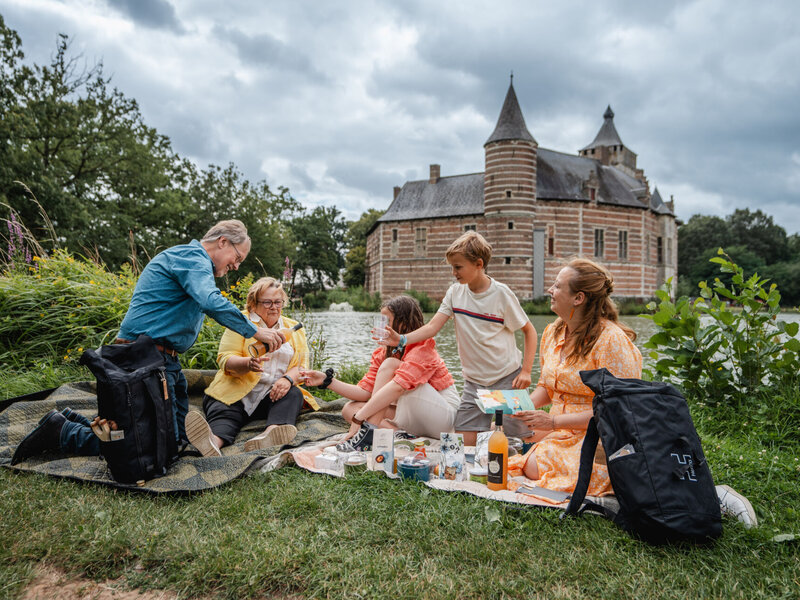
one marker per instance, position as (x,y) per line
(238,255)
(270,303)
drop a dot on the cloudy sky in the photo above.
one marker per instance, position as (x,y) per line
(342,100)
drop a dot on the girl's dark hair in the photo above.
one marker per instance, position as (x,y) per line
(407,315)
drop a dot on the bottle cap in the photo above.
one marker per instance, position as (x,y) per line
(498,416)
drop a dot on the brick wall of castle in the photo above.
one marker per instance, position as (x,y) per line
(400,257)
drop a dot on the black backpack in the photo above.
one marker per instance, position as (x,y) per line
(655,462)
(132,391)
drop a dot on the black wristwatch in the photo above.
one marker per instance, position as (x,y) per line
(289,379)
(329,372)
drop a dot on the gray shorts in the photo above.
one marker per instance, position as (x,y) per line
(471,418)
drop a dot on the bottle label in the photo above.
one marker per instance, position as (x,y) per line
(495,467)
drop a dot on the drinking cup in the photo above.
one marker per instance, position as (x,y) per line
(379,324)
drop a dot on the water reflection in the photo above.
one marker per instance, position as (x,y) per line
(348,338)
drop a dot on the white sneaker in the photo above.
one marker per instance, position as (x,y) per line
(733,503)
(199,434)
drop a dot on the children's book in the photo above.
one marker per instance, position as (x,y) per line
(511,401)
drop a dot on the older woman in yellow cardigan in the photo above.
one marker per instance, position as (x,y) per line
(248,388)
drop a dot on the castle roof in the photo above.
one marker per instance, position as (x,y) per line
(607,136)
(511,123)
(657,205)
(559,176)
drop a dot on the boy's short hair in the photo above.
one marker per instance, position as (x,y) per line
(473,246)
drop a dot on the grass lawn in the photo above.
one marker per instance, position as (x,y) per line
(294,533)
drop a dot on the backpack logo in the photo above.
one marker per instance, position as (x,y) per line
(686,459)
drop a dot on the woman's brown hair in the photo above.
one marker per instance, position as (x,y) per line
(596,283)
(407,316)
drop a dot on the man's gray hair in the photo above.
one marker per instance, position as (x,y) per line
(233,230)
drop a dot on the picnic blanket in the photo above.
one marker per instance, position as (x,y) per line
(191,473)
(304,456)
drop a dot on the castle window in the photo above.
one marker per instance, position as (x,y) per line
(470,227)
(421,241)
(623,245)
(508,260)
(395,242)
(599,243)
(669,251)
(511,224)
(508,193)
(660,250)
(592,193)
(551,246)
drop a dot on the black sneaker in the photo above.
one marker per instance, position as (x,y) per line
(403,435)
(45,438)
(361,441)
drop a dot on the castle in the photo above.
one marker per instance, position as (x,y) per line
(537,207)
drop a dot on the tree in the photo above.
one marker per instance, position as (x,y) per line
(759,233)
(356,242)
(216,194)
(84,150)
(320,240)
(698,234)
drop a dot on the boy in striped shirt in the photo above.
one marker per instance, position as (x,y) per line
(486,314)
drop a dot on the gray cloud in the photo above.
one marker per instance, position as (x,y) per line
(156,14)
(342,101)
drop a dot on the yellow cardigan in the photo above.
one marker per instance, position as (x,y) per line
(228,388)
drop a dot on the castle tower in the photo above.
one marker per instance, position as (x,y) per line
(509,196)
(608,148)
(509,182)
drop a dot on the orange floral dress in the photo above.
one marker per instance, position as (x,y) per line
(558,455)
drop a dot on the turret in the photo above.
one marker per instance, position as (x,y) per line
(510,174)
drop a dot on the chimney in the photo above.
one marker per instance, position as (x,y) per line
(396,191)
(671,203)
(435,173)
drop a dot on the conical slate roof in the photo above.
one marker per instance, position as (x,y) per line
(511,124)
(607,136)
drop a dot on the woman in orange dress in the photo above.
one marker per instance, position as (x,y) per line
(587,335)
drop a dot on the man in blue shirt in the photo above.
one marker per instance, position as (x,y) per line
(172,296)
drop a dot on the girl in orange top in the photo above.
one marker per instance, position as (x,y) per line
(587,335)
(410,390)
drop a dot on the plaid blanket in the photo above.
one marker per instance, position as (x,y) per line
(191,473)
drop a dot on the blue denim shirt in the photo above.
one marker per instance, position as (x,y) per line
(174,292)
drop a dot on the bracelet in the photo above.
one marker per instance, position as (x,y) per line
(401,345)
(289,379)
(357,421)
(328,379)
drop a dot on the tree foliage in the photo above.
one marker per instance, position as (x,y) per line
(356,241)
(320,239)
(114,188)
(752,240)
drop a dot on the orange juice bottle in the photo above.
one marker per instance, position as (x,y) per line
(257,349)
(498,456)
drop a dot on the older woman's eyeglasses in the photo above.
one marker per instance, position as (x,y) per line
(270,303)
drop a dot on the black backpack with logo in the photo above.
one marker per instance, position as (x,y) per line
(132,391)
(655,462)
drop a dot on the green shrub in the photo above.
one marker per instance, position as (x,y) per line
(728,344)
(537,306)
(427,303)
(54,307)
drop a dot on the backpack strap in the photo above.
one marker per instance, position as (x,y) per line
(585,473)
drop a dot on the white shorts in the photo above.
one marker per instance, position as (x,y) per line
(425,412)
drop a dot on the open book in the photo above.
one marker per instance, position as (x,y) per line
(511,401)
